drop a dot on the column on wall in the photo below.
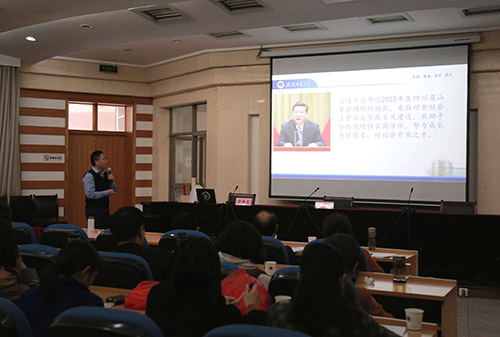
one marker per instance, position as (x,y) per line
(143,153)
(42,126)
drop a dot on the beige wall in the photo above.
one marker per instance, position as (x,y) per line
(235,85)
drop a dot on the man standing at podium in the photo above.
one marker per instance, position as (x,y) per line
(99,185)
(299,131)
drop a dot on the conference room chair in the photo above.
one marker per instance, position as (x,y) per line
(105,242)
(169,240)
(463,207)
(38,256)
(46,209)
(248,330)
(284,281)
(103,322)
(227,268)
(24,233)
(340,202)
(58,234)
(13,323)
(350,288)
(274,250)
(122,270)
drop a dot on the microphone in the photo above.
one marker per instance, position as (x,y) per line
(235,189)
(409,197)
(109,170)
(315,190)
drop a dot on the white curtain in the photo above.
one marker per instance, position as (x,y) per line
(10,163)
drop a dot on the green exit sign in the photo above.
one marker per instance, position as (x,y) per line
(106,68)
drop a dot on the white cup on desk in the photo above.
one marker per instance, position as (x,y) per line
(270,267)
(414,318)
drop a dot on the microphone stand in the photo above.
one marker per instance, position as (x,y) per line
(405,210)
(303,206)
(229,206)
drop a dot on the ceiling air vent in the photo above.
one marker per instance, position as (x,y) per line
(304,27)
(236,6)
(158,14)
(466,12)
(222,35)
(389,18)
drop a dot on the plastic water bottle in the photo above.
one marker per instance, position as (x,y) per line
(372,234)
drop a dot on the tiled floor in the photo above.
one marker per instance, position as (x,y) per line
(478,317)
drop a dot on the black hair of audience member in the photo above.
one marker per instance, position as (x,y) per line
(243,240)
(8,245)
(319,301)
(125,223)
(184,220)
(74,257)
(5,212)
(23,210)
(337,223)
(265,222)
(194,272)
(348,247)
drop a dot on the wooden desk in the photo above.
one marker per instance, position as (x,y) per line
(411,255)
(104,292)
(428,329)
(426,288)
(152,237)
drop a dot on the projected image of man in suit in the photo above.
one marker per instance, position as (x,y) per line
(299,131)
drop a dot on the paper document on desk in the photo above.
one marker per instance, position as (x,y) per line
(382,255)
(297,249)
(398,330)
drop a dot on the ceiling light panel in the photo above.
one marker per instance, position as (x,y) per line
(388,18)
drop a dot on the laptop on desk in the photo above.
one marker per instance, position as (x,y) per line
(206,196)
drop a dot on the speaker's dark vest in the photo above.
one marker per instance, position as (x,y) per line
(101,184)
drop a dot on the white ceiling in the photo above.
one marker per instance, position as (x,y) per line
(123,36)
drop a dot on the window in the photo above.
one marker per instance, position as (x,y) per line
(188,126)
(96,117)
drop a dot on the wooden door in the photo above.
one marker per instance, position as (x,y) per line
(116,150)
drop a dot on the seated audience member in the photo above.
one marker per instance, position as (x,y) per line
(340,223)
(188,301)
(63,285)
(267,224)
(127,228)
(349,248)
(240,243)
(185,220)
(15,278)
(319,307)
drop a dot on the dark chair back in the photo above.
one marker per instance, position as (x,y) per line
(102,322)
(38,256)
(171,239)
(13,323)
(24,233)
(46,209)
(284,281)
(247,330)
(464,207)
(122,270)
(57,235)
(274,250)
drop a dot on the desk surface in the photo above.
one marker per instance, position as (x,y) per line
(428,329)
(427,288)
(384,254)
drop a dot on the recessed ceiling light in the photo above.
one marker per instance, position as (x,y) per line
(176,41)
(30,38)
(86,26)
(128,49)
